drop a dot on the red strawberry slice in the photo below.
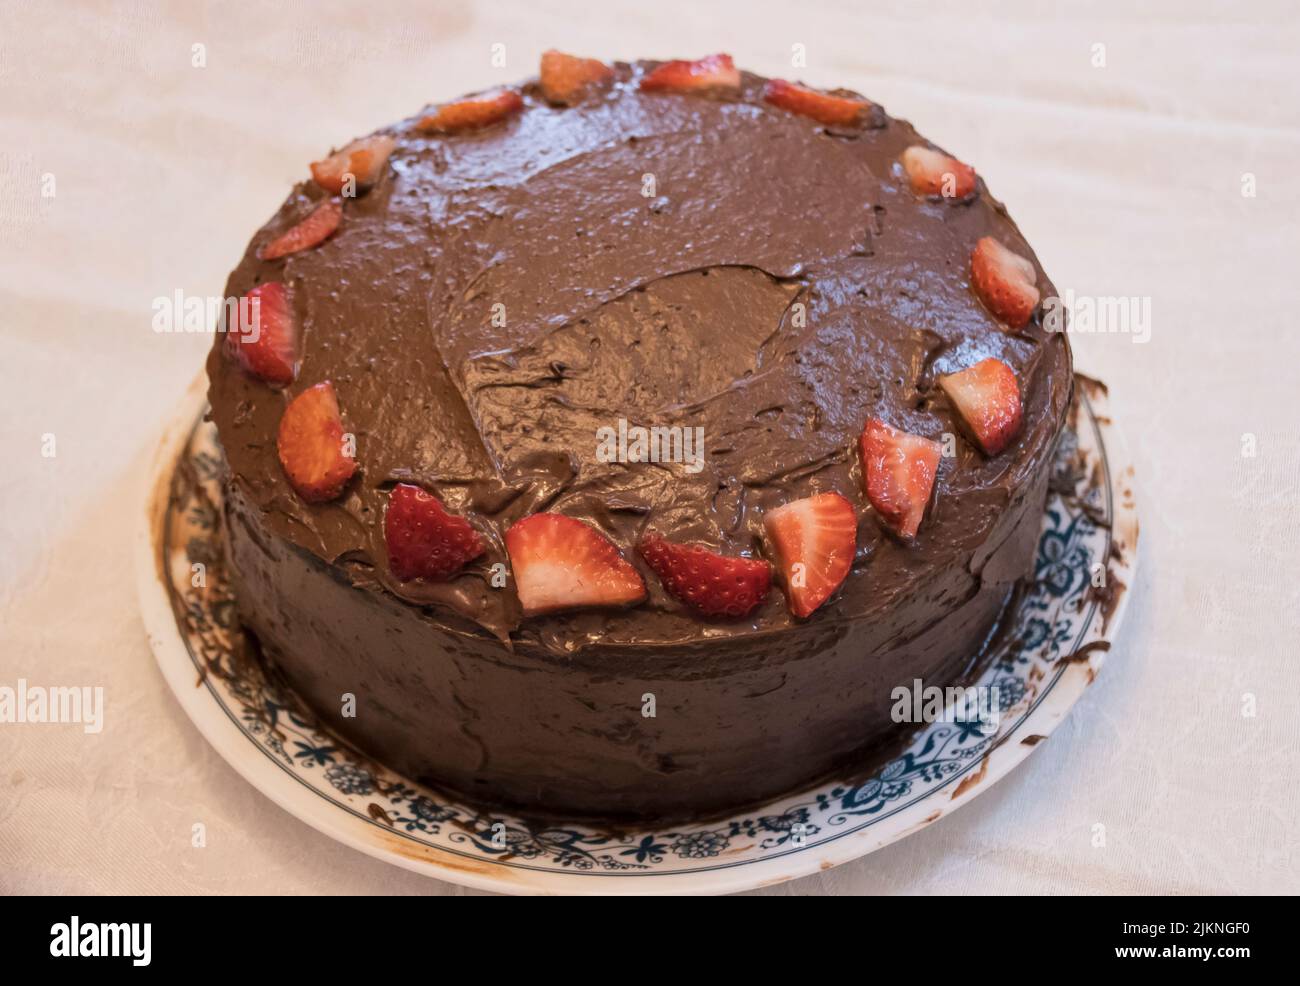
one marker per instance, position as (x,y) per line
(713,584)
(562,563)
(363,159)
(712,72)
(424,541)
(813,540)
(310,443)
(319,225)
(1004,281)
(898,471)
(987,397)
(932,172)
(836,111)
(264,338)
(471,114)
(567,77)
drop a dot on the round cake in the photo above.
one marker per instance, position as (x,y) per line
(612,446)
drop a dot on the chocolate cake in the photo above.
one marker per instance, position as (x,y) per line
(620,440)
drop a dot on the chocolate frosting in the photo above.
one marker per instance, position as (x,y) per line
(667,259)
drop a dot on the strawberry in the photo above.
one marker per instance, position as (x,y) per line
(310,443)
(898,471)
(1004,281)
(319,225)
(713,584)
(471,114)
(932,172)
(987,397)
(424,541)
(713,72)
(837,111)
(264,339)
(566,77)
(562,563)
(813,540)
(363,159)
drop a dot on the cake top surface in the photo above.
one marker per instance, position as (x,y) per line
(507,305)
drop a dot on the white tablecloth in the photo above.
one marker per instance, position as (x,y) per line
(1127,177)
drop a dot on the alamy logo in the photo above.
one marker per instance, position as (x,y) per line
(634,443)
(33,703)
(977,705)
(208,313)
(1099,314)
(102,940)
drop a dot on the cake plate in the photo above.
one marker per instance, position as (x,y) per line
(1055,645)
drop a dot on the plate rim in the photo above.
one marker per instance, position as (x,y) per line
(268,776)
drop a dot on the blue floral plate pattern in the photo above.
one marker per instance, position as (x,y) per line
(1061,631)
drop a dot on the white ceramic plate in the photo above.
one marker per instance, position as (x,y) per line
(1062,630)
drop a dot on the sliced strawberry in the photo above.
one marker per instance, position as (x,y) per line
(712,72)
(363,159)
(898,471)
(1004,281)
(425,541)
(813,540)
(319,225)
(310,443)
(471,114)
(932,172)
(567,77)
(562,563)
(837,111)
(987,397)
(713,584)
(264,338)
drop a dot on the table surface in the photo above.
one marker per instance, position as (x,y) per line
(1144,155)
